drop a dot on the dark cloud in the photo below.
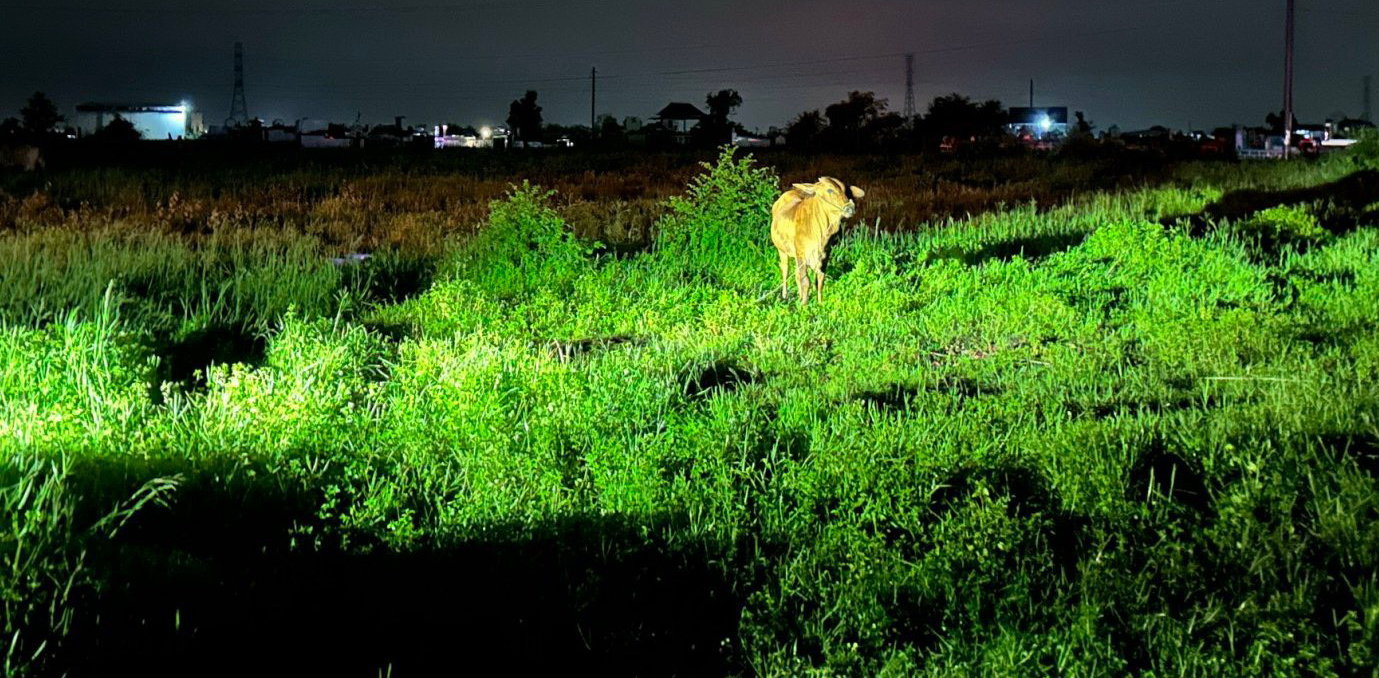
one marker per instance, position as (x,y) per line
(1174,62)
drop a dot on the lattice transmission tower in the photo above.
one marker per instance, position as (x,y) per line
(909,85)
(239,110)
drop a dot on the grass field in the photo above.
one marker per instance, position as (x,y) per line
(1128,430)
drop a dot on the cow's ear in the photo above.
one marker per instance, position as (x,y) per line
(806,189)
(857,192)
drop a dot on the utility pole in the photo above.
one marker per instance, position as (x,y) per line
(1367,112)
(910,86)
(593,100)
(1031,92)
(1288,82)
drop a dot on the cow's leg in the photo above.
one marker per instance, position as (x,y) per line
(819,282)
(802,280)
(784,276)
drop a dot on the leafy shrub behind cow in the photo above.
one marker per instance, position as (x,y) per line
(721,228)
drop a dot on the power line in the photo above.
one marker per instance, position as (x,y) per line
(288,9)
(473,85)
(871,57)
(280,9)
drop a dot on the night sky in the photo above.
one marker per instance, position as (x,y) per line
(1171,62)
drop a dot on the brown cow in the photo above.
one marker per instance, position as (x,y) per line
(29,158)
(802,221)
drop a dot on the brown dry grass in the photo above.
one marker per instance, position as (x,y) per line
(415,202)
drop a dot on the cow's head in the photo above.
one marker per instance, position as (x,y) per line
(837,196)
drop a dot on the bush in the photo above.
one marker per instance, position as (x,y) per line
(525,247)
(1285,225)
(1367,151)
(722,227)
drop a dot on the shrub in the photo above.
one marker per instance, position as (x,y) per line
(525,247)
(722,227)
(1367,151)
(1285,225)
(314,392)
(78,385)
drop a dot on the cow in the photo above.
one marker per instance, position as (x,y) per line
(29,158)
(802,221)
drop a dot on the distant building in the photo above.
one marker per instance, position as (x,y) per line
(395,134)
(443,137)
(322,134)
(280,133)
(1308,140)
(1150,135)
(154,121)
(744,140)
(1038,123)
(677,118)
(1258,143)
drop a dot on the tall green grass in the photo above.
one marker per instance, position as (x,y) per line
(1070,441)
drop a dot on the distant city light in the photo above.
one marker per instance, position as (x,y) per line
(1045,124)
(485,132)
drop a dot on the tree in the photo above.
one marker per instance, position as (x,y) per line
(887,128)
(610,130)
(721,105)
(1083,128)
(955,115)
(848,118)
(805,130)
(716,128)
(118,130)
(1275,121)
(40,115)
(524,118)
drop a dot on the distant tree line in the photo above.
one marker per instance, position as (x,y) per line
(39,122)
(859,122)
(864,121)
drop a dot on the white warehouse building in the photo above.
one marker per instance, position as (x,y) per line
(154,121)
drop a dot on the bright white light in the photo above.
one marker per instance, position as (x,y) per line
(1045,124)
(485,132)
